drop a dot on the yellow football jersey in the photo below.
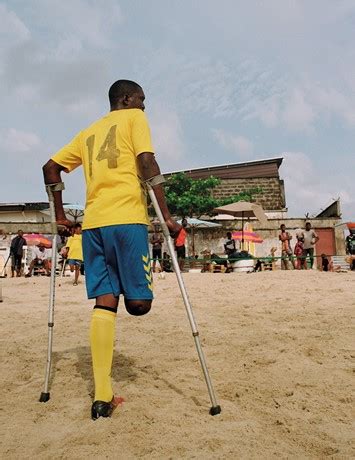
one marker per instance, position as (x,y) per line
(74,244)
(108,151)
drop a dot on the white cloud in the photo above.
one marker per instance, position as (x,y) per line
(306,193)
(333,103)
(35,76)
(54,55)
(167,135)
(77,24)
(235,143)
(17,141)
(12,28)
(298,115)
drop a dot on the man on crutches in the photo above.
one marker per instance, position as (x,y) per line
(116,154)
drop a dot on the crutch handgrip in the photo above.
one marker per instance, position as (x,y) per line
(57,187)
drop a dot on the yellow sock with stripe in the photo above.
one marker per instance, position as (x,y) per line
(102,335)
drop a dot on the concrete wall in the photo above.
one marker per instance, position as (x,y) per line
(27,227)
(23,216)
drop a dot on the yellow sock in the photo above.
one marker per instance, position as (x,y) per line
(102,334)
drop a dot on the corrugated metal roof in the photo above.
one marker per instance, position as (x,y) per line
(256,168)
(29,206)
(333,210)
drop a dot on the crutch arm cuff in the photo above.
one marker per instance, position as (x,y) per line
(155,180)
(57,187)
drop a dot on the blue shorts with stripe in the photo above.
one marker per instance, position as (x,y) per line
(117,262)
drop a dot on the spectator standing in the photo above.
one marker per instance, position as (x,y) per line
(310,239)
(156,241)
(350,245)
(16,251)
(74,248)
(180,244)
(286,251)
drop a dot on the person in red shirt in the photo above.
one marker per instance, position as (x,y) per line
(180,244)
(298,251)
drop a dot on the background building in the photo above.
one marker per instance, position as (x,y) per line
(264,174)
(239,177)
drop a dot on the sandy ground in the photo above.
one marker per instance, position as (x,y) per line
(278,348)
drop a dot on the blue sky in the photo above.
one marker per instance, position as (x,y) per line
(225,82)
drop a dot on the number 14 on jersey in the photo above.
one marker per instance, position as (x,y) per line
(108,150)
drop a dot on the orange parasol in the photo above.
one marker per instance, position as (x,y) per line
(251,237)
(36,239)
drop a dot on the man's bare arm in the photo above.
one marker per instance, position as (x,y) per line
(149,168)
(52,175)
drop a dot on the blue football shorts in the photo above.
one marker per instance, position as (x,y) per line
(117,262)
(75,262)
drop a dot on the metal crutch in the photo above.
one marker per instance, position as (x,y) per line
(45,395)
(216,408)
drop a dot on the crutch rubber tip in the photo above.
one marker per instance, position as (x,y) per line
(44,397)
(215,410)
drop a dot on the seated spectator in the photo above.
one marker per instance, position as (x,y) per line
(269,261)
(229,246)
(258,267)
(40,259)
(327,265)
(166,263)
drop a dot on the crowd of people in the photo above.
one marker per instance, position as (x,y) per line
(299,256)
(304,247)
(39,256)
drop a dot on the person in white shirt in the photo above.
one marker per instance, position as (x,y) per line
(40,258)
(310,239)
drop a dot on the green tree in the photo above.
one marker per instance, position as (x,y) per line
(188,197)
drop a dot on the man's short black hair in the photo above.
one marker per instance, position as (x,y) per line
(77,225)
(120,89)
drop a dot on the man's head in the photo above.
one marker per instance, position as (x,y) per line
(77,228)
(283,227)
(229,235)
(20,232)
(41,247)
(308,226)
(126,94)
(184,222)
